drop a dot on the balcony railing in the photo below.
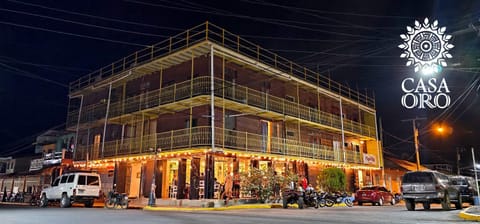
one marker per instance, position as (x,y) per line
(240,94)
(229,139)
(218,35)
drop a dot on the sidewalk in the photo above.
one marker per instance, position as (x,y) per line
(471,213)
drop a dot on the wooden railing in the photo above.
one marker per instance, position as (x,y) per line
(201,86)
(218,35)
(229,139)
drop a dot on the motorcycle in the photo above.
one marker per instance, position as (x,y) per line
(322,199)
(115,199)
(310,199)
(339,198)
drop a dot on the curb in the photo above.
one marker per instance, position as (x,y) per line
(468,216)
(233,207)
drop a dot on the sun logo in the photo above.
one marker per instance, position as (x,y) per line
(426,47)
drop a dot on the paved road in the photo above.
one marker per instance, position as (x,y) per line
(356,214)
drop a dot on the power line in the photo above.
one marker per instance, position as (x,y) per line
(328,12)
(15,61)
(96,17)
(31,75)
(81,23)
(72,34)
(260,19)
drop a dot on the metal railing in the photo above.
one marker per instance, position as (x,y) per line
(229,139)
(210,32)
(234,92)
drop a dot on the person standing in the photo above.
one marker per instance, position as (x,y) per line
(227,193)
(304,182)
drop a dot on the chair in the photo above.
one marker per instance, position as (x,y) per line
(216,191)
(201,189)
(173,194)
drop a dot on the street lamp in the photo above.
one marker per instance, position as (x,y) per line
(152,197)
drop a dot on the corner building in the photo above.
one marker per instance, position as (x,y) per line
(208,102)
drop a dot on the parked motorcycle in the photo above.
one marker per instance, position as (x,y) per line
(339,198)
(310,199)
(322,199)
(115,199)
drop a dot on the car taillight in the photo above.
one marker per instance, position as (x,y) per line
(74,192)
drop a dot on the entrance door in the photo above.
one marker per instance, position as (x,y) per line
(172,178)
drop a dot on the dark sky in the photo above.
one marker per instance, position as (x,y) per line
(44,45)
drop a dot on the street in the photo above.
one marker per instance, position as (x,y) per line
(356,214)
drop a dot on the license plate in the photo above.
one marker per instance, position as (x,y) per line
(419,188)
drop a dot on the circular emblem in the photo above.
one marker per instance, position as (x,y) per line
(426,47)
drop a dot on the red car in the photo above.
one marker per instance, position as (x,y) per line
(377,195)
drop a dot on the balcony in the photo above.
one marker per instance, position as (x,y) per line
(200,137)
(197,40)
(236,96)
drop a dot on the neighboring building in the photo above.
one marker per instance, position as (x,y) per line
(30,173)
(394,171)
(18,178)
(267,112)
(442,167)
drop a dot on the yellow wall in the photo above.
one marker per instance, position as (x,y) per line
(372,148)
(135,180)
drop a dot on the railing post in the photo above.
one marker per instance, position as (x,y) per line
(223,37)
(113,68)
(171,140)
(116,147)
(206,30)
(188,37)
(258,53)
(174,91)
(275,56)
(238,43)
(151,52)
(246,141)
(170,45)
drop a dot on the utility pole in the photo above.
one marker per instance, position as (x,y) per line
(459,150)
(415,138)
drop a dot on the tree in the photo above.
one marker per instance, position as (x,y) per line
(261,184)
(332,179)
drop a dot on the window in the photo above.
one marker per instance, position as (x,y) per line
(81,180)
(56,182)
(92,180)
(64,179)
(290,133)
(70,178)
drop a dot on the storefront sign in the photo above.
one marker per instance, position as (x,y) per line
(369,159)
(426,49)
(36,164)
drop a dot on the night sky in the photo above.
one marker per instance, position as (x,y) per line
(44,45)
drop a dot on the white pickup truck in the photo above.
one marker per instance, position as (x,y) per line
(78,187)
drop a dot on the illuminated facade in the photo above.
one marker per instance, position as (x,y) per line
(216,104)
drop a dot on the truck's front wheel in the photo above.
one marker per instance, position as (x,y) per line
(410,204)
(65,201)
(43,201)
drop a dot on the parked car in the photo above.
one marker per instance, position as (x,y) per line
(78,187)
(377,195)
(466,186)
(428,187)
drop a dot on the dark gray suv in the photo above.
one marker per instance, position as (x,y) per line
(428,187)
